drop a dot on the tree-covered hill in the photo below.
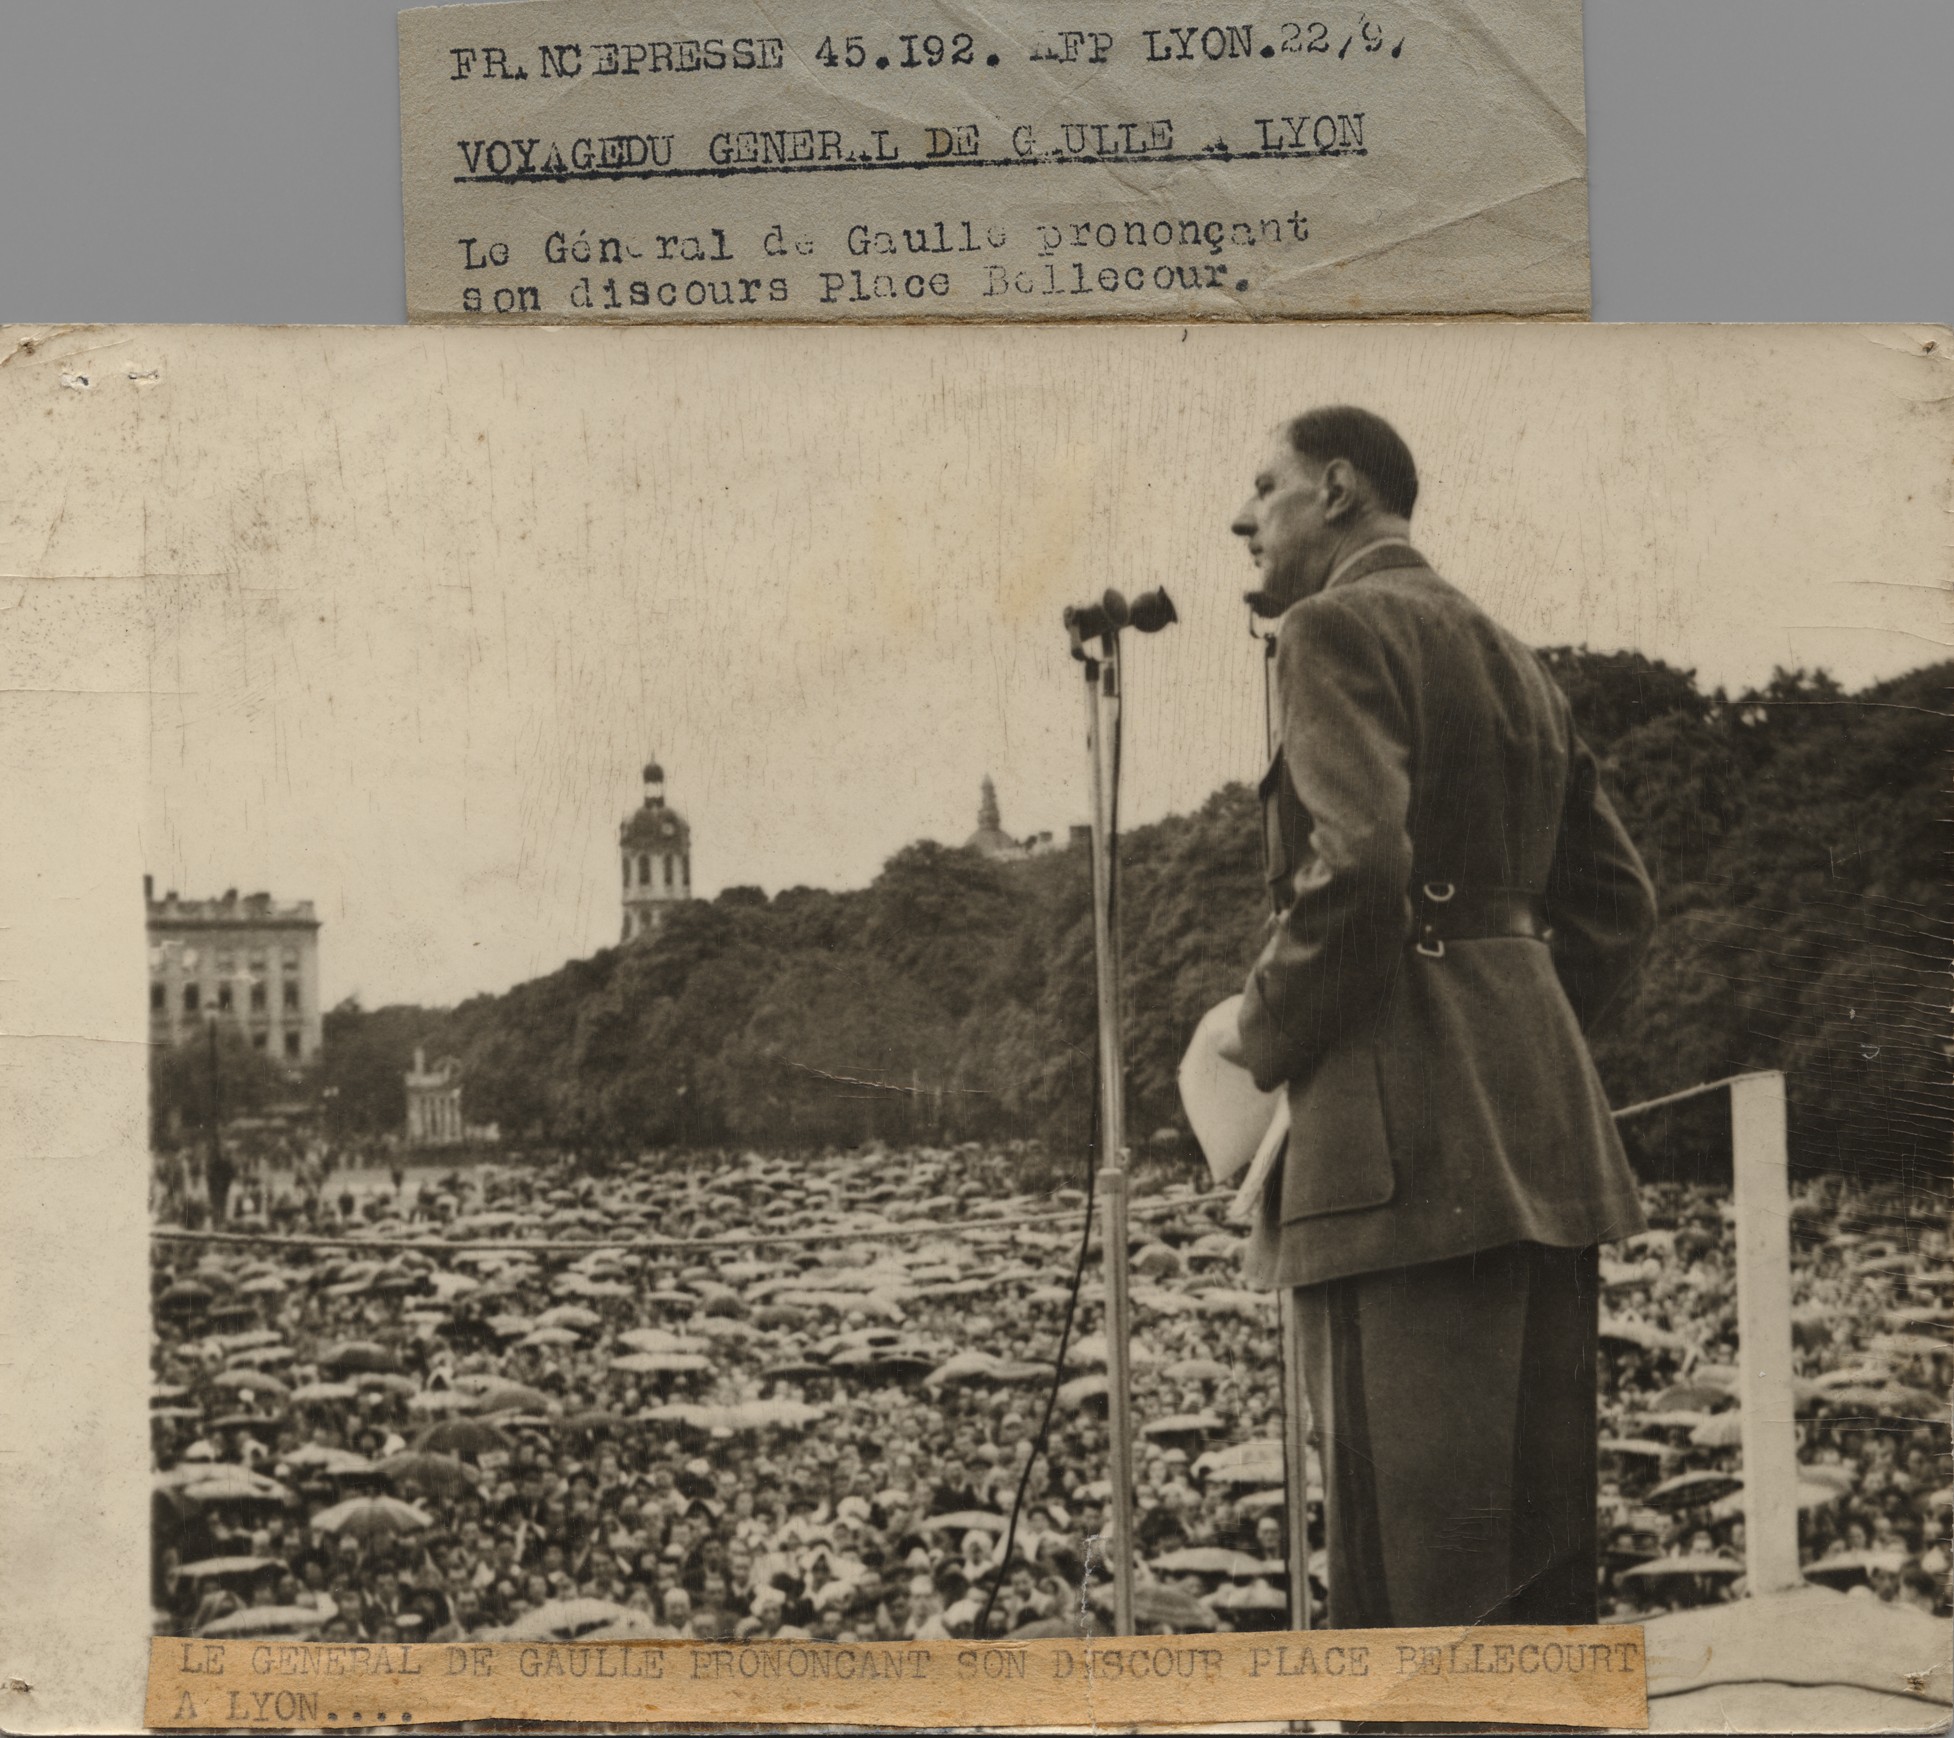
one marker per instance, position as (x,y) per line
(1797,837)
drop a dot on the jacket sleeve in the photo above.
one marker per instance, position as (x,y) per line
(1599,898)
(1346,742)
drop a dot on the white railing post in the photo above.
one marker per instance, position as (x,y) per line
(1764,1387)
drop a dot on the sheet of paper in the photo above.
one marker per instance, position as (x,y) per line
(1589,1676)
(391,621)
(641,160)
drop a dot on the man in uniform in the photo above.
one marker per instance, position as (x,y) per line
(1456,904)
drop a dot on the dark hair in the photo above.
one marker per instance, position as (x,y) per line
(1367,443)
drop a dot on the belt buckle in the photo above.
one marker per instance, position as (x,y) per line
(1432,946)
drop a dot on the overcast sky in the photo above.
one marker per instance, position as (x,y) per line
(421,602)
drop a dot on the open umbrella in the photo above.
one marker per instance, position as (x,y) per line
(502,1395)
(1251,1596)
(1092,1350)
(317,1456)
(381,1382)
(229,1568)
(267,1620)
(1082,1391)
(569,1316)
(319,1393)
(441,1474)
(1686,1490)
(1700,1563)
(1723,1430)
(1637,1446)
(964,1367)
(357,1355)
(1691,1397)
(762,1415)
(1053,1627)
(1195,1370)
(1181,1612)
(1255,1463)
(249,1382)
(1182,1424)
(371,1518)
(566,1619)
(225,1486)
(1214,1560)
(1649,1339)
(963,1521)
(662,1364)
(1911,1345)
(1852,1566)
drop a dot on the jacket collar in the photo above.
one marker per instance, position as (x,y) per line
(1386,552)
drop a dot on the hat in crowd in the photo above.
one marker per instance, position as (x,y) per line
(854,1508)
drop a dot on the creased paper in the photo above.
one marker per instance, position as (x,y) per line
(635,160)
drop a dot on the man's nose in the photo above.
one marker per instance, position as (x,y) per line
(1244,525)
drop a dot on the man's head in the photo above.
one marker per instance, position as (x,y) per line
(1335,479)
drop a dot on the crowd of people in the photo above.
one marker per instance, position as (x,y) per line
(1872,1284)
(716,1394)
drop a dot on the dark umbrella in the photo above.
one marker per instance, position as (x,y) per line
(464,1436)
(802,1371)
(439,1473)
(358,1355)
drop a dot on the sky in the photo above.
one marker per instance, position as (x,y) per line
(420,603)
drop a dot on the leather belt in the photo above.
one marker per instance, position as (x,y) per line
(1444,911)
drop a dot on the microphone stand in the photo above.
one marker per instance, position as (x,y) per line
(1102,739)
(1095,634)
(1295,1397)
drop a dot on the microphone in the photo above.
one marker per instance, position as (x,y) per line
(1146,614)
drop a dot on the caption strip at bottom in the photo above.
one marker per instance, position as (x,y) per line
(1588,1676)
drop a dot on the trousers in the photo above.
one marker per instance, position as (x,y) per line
(1453,1411)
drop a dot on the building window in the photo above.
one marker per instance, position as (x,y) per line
(156,999)
(291,998)
(685,873)
(190,998)
(257,998)
(627,872)
(226,963)
(644,869)
(258,1040)
(292,1045)
(668,874)
(258,962)
(223,998)
(291,959)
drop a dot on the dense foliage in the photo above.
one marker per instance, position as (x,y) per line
(1795,835)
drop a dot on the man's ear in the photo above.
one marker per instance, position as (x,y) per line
(1343,490)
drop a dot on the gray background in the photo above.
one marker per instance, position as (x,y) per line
(239,160)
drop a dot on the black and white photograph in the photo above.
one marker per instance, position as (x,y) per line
(810,986)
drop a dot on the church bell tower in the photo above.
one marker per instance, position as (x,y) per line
(655,852)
